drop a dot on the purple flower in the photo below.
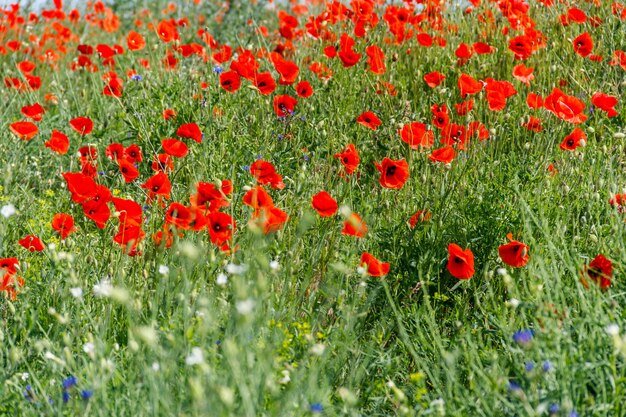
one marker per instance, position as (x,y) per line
(523,337)
(547,366)
(69,382)
(317,408)
(529,366)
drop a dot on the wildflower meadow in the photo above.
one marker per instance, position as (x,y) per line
(313,207)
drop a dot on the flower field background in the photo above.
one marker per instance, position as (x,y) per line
(316,207)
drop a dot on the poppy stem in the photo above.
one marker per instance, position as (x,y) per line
(457,285)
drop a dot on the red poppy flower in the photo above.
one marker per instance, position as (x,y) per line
(63,224)
(393,174)
(375,267)
(417,135)
(9,265)
(167,31)
(354,226)
(264,82)
(469,85)
(346,54)
(113,88)
(273,219)
(369,120)
(211,196)
(230,81)
(114,151)
(534,101)
(460,262)
(133,154)
(534,124)
(287,70)
(445,155)
(521,46)
(433,79)
(258,198)
(9,283)
(440,115)
(34,112)
(175,147)
(583,45)
(419,216)
(600,270)
(349,158)
(304,89)
(82,125)
(158,185)
(130,212)
(135,41)
(32,243)
(58,142)
(482,48)
(82,187)
(324,204)
(284,105)
(179,216)
(514,253)
(221,227)
(128,170)
(376,59)
(497,93)
(523,74)
(574,140)
(265,173)
(605,102)
(464,107)
(169,114)
(97,211)
(24,130)
(190,131)
(565,107)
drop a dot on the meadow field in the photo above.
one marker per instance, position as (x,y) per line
(313,207)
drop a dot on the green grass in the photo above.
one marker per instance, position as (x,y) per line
(300,326)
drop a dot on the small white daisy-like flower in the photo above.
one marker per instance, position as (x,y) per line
(164,270)
(8,211)
(222,279)
(88,347)
(274,265)
(195,358)
(236,269)
(76,292)
(156,367)
(103,288)
(612,329)
(245,306)
(25,376)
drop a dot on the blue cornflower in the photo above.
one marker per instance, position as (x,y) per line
(523,337)
(547,366)
(245,167)
(514,386)
(29,394)
(317,408)
(69,382)
(529,366)
(573,413)
(306,157)
(136,77)
(86,394)
(218,70)
(66,396)
(553,408)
